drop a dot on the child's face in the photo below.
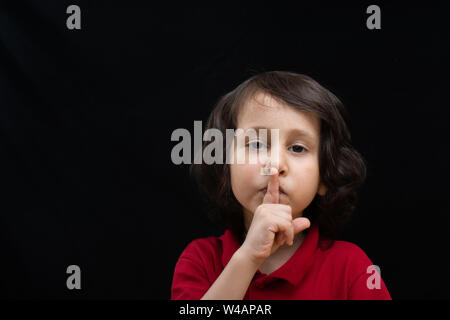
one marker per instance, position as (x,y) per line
(298,156)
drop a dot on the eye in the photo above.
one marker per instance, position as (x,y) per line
(298,148)
(256,145)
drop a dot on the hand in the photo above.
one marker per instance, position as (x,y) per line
(272,225)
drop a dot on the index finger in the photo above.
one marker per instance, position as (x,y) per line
(273,194)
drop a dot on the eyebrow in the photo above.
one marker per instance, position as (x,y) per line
(298,132)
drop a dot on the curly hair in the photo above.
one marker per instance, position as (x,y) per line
(342,169)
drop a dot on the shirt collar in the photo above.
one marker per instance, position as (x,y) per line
(294,269)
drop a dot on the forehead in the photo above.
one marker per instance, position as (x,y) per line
(262,110)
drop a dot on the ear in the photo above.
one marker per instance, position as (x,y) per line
(322,190)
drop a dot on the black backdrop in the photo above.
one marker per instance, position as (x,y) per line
(87,116)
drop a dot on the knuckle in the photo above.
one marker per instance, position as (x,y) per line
(289,226)
(261,211)
(284,225)
(266,213)
(288,215)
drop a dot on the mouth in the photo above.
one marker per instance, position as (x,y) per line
(264,190)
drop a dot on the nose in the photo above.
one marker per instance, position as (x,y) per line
(278,159)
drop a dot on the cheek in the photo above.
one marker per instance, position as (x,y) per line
(306,180)
(309,174)
(244,180)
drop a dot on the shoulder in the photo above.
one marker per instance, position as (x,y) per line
(346,259)
(348,254)
(357,272)
(202,248)
(196,268)
(346,249)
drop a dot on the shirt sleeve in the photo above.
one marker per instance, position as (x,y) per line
(190,280)
(369,286)
(366,282)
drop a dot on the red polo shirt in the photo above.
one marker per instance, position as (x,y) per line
(340,272)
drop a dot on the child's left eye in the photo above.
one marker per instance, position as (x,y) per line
(298,148)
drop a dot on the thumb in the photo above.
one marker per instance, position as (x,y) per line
(300,224)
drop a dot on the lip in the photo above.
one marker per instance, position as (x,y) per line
(264,190)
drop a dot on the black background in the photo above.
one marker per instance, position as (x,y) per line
(87,116)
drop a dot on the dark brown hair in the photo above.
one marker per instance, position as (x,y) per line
(342,168)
